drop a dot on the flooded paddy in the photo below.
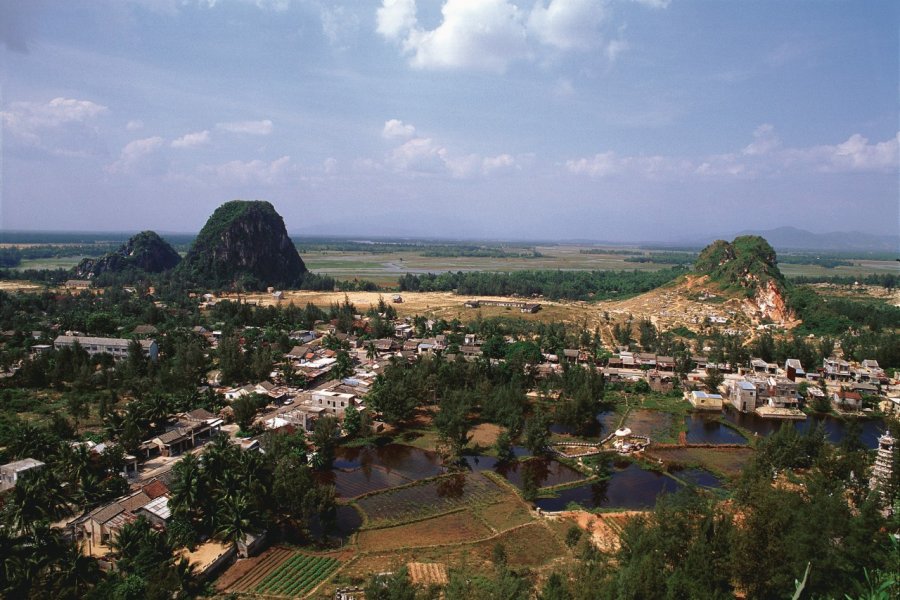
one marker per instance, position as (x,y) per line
(630,487)
(362,470)
(545,472)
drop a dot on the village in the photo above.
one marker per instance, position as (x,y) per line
(329,374)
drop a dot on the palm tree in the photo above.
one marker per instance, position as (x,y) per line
(187,485)
(370,351)
(37,496)
(236,518)
(74,573)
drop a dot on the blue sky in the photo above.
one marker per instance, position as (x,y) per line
(552,119)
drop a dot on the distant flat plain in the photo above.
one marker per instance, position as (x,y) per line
(385,268)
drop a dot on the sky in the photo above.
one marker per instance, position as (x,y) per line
(628,120)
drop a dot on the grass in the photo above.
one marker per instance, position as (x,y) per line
(728,462)
(504,515)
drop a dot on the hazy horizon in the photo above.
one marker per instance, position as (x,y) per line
(617,121)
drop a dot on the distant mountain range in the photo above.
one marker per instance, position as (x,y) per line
(792,238)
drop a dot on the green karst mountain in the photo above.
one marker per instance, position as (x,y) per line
(243,244)
(145,252)
(749,262)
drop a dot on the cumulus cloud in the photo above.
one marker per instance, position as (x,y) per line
(490,35)
(189,140)
(395,128)
(249,172)
(855,154)
(485,35)
(135,154)
(396,18)
(568,24)
(425,156)
(62,126)
(27,117)
(764,156)
(764,141)
(264,127)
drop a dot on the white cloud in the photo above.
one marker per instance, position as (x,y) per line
(764,141)
(568,24)
(654,3)
(264,127)
(135,153)
(763,157)
(486,35)
(249,172)
(501,162)
(338,24)
(26,119)
(855,154)
(134,125)
(396,18)
(330,166)
(190,140)
(490,35)
(395,128)
(424,156)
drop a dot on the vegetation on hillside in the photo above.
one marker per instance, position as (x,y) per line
(747,263)
(569,285)
(144,253)
(243,245)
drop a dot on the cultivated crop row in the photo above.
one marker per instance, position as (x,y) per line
(433,497)
(297,575)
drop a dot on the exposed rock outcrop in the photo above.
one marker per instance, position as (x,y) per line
(244,244)
(146,252)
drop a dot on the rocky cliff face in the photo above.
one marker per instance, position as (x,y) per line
(145,252)
(769,303)
(244,244)
(749,264)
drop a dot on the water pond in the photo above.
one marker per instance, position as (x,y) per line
(835,428)
(707,429)
(362,470)
(628,488)
(545,471)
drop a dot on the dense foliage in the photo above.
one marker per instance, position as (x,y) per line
(572,285)
(746,263)
(144,253)
(244,245)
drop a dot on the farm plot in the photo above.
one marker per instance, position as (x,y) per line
(454,528)
(427,499)
(297,575)
(726,461)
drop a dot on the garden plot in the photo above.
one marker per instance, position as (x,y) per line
(427,499)
(297,575)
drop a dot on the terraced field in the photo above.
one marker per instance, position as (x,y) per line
(284,573)
(430,498)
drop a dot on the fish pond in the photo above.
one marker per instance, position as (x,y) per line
(708,429)
(835,428)
(545,472)
(362,470)
(629,487)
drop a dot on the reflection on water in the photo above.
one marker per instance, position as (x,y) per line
(629,488)
(835,428)
(362,470)
(545,472)
(706,429)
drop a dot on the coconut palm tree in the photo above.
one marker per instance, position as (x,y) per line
(236,518)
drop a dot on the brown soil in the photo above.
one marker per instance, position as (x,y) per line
(484,434)
(449,529)
(604,528)
(427,573)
